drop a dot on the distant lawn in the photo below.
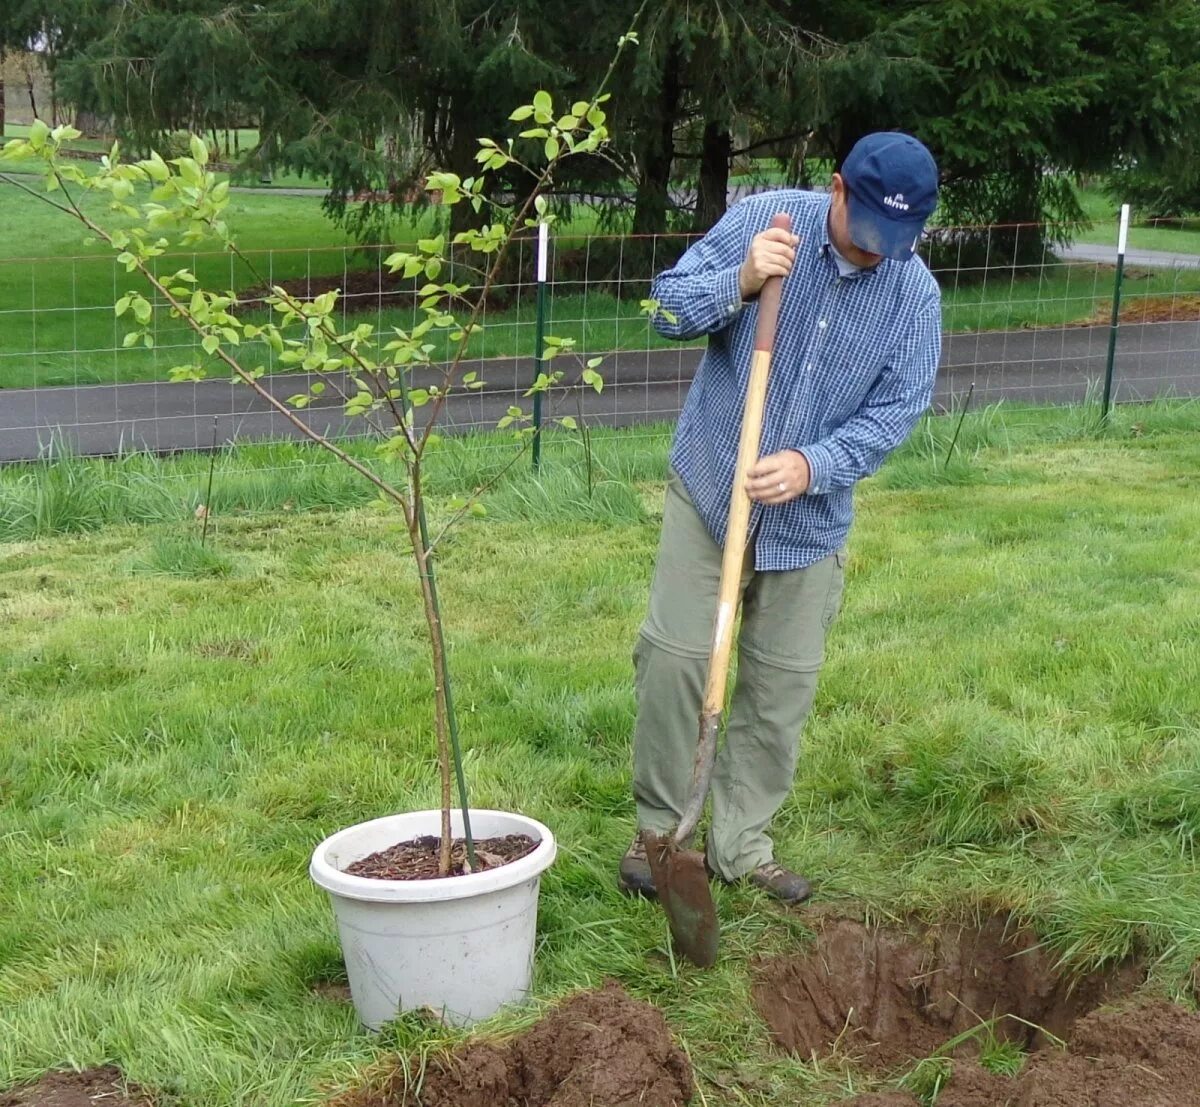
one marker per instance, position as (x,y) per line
(1105,215)
(56,292)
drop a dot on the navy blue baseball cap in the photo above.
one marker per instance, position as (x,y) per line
(892,183)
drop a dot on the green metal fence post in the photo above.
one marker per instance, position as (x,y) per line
(1122,238)
(539,340)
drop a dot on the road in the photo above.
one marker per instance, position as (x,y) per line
(1053,365)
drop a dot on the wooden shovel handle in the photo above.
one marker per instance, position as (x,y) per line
(734,556)
(739,501)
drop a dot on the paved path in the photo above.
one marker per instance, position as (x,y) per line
(1023,366)
(1148,259)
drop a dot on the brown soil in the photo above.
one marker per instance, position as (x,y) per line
(101,1087)
(1135,1056)
(417,859)
(971,1084)
(1138,308)
(598,1049)
(886,996)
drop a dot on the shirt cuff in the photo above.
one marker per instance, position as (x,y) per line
(820,468)
(727,294)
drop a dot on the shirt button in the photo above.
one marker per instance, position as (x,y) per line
(821,324)
(733,309)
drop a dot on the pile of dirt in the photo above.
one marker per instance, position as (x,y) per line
(884,996)
(103,1087)
(1135,1056)
(598,1049)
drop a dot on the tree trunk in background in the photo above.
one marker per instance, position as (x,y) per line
(90,124)
(657,155)
(715,152)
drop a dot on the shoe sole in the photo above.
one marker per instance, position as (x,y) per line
(635,891)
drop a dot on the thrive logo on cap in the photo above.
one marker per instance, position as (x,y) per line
(892,183)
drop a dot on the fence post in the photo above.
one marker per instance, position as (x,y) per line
(539,339)
(1122,237)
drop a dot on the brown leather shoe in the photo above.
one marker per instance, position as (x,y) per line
(634,877)
(780,883)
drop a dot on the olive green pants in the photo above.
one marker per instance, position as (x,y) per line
(781,645)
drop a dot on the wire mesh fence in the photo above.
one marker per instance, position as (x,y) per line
(1024,321)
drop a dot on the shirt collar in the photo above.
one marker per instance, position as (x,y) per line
(827,250)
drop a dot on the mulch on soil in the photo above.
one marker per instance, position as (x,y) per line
(883,997)
(102,1087)
(417,859)
(598,1049)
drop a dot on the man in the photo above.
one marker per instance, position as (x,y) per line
(856,353)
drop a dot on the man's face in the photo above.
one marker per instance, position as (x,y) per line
(839,229)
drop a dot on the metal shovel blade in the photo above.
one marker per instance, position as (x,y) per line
(685,895)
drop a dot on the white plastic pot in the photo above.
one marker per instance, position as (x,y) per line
(461,945)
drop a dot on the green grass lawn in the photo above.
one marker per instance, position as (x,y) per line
(57,292)
(1105,215)
(1008,720)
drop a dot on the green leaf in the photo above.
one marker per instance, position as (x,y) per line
(38,133)
(122,305)
(579,108)
(199,149)
(551,148)
(210,343)
(523,112)
(131,339)
(535,132)
(142,310)
(542,101)
(478,510)
(418,397)
(594,362)
(590,376)
(568,123)
(568,422)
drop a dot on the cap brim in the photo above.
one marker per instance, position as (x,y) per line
(878,234)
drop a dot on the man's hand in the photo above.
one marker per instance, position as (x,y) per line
(771,254)
(778,478)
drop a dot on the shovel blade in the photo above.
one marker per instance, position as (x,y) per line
(686,897)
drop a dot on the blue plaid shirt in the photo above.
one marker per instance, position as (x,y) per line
(852,370)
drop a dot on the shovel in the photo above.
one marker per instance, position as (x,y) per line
(679,873)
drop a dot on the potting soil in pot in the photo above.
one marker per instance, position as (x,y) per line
(417,859)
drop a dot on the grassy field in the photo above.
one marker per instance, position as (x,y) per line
(1105,216)
(1008,720)
(56,292)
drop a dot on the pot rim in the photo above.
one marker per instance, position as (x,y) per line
(438,889)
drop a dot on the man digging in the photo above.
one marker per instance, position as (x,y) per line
(855,357)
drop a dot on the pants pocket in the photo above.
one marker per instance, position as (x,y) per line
(837,585)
